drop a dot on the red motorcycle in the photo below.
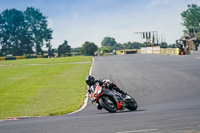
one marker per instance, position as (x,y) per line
(111,100)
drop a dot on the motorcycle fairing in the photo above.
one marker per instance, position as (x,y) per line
(112,94)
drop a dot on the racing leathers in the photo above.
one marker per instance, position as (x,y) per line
(108,85)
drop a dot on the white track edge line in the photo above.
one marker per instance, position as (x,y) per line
(136,131)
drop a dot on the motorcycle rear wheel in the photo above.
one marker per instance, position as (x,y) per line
(108,104)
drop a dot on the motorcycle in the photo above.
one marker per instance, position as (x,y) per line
(111,100)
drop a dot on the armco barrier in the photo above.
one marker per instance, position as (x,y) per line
(20,57)
(149,50)
(11,58)
(158,50)
(177,51)
(30,57)
(126,51)
(143,50)
(172,51)
(39,56)
(139,51)
(162,51)
(2,58)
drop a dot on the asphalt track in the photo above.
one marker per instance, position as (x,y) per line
(167,89)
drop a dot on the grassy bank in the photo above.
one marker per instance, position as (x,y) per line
(41,87)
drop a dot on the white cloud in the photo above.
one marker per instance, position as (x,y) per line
(159,15)
(50,22)
(154,3)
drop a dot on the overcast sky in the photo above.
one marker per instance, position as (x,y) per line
(78,21)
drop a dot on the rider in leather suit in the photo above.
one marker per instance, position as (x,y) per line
(90,80)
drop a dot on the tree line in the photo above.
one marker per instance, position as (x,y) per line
(110,45)
(26,32)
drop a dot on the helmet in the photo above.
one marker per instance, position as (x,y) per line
(90,80)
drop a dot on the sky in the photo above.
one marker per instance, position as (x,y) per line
(78,21)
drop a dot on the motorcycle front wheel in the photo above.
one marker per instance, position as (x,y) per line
(131,104)
(108,104)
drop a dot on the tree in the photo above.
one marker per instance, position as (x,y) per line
(37,26)
(104,49)
(64,49)
(163,45)
(172,46)
(108,41)
(89,48)
(14,37)
(133,45)
(191,16)
(185,32)
(21,31)
(117,46)
(76,51)
(50,50)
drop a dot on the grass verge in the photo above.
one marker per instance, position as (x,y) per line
(56,88)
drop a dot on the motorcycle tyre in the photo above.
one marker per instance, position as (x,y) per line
(99,106)
(131,104)
(106,107)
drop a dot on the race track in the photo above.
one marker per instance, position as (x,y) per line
(167,89)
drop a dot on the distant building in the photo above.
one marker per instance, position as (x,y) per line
(191,40)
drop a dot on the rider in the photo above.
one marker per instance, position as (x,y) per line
(90,80)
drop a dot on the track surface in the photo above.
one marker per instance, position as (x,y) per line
(167,89)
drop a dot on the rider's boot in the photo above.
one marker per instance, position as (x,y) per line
(121,91)
(124,94)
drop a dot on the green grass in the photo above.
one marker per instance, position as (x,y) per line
(46,60)
(28,88)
